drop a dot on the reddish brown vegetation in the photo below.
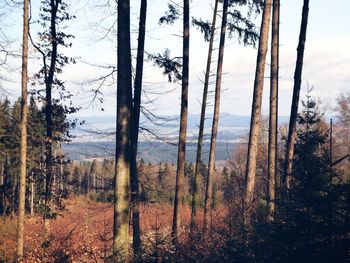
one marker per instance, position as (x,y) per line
(83,233)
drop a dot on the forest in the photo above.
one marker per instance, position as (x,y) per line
(282,192)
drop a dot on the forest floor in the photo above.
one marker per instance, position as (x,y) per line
(81,233)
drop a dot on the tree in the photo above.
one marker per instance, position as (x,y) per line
(10,161)
(85,183)
(53,13)
(76,181)
(135,128)
(256,109)
(244,29)
(92,176)
(24,117)
(5,151)
(181,157)
(14,144)
(295,100)
(202,120)
(188,170)
(36,149)
(273,119)
(160,176)
(313,199)
(122,159)
(313,221)
(211,171)
(343,110)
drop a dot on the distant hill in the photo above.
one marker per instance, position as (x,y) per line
(153,152)
(96,137)
(226,120)
(231,127)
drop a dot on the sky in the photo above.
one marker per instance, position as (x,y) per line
(326,63)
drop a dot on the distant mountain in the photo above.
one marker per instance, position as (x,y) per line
(226,120)
(231,127)
(153,152)
(95,139)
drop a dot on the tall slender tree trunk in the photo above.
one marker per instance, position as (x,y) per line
(32,194)
(1,174)
(135,128)
(2,188)
(214,131)
(14,183)
(273,120)
(201,123)
(62,185)
(348,143)
(295,100)
(256,111)
(94,183)
(80,184)
(6,178)
(121,235)
(53,185)
(181,158)
(49,79)
(24,113)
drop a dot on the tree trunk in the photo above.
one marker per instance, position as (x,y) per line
(348,144)
(273,121)
(135,129)
(5,176)
(2,188)
(201,123)
(256,111)
(49,79)
(62,186)
(1,174)
(32,194)
(14,183)
(211,168)
(295,100)
(122,164)
(80,190)
(181,158)
(24,113)
(94,183)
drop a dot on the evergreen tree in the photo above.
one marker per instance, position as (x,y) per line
(189,170)
(93,175)
(5,136)
(160,173)
(36,148)
(312,226)
(226,189)
(76,181)
(53,16)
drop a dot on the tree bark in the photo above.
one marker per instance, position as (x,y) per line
(181,158)
(122,164)
(201,123)
(49,79)
(135,128)
(295,100)
(5,176)
(214,131)
(24,117)
(256,111)
(1,174)
(348,143)
(32,194)
(273,119)
(2,188)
